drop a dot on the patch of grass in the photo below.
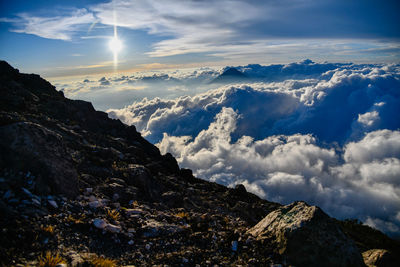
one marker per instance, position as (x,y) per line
(50,260)
(113,214)
(103,262)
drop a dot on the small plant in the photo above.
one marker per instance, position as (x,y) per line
(226,220)
(182,215)
(103,262)
(71,218)
(113,214)
(48,229)
(50,260)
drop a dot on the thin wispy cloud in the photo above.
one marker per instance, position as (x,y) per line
(58,27)
(230,28)
(237,30)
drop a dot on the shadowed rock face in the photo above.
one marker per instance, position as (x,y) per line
(305,235)
(26,141)
(44,132)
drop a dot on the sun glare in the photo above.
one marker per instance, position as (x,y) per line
(115,45)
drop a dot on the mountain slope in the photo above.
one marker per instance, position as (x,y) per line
(77,183)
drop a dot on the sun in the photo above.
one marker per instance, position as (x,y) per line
(115,45)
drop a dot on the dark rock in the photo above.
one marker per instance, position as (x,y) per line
(125,193)
(172,199)
(117,180)
(154,228)
(140,177)
(34,147)
(187,174)
(240,189)
(170,163)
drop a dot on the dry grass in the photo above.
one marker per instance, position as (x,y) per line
(103,262)
(71,218)
(182,215)
(50,260)
(113,214)
(48,229)
(227,220)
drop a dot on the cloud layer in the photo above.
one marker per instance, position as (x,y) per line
(335,102)
(324,133)
(362,181)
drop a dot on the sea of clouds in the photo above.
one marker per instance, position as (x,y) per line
(324,133)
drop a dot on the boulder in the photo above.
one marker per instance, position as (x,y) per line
(305,236)
(154,228)
(140,177)
(172,199)
(35,148)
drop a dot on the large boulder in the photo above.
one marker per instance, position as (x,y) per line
(31,147)
(305,236)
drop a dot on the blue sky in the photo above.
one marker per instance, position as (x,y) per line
(61,38)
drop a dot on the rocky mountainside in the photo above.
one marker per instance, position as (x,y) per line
(80,189)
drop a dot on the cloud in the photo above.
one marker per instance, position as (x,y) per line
(362,182)
(103,81)
(325,133)
(238,30)
(247,29)
(120,90)
(368,118)
(59,27)
(195,26)
(335,102)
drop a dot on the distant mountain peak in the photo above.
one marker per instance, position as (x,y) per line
(230,74)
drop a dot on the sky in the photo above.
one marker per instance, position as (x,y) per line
(62,38)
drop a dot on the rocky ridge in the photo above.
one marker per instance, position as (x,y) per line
(75,183)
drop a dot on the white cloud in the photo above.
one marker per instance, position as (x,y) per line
(296,135)
(323,99)
(374,146)
(59,27)
(288,168)
(195,26)
(368,118)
